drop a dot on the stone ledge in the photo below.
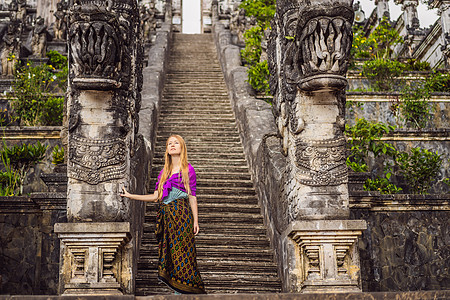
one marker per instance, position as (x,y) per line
(420,295)
(327,225)
(18,204)
(88,228)
(398,202)
(31,132)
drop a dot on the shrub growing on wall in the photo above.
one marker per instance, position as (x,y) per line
(34,89)
(364,141)
(258,71)
(383,72)
(420,168)
(17,161)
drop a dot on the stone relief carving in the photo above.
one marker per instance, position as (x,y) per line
(94,161)
(100,36)
(322,163)
(104,55)
(307,52)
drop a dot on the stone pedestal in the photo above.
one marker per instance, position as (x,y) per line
(325,255)
(95,258)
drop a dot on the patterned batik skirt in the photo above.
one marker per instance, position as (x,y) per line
(177,266)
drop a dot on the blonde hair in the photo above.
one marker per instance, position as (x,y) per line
(168,166)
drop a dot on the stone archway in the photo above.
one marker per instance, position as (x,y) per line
(191,14)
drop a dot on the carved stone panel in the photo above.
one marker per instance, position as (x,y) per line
(100,37)
(322,163)
(327,255)
(95,161)
(94,258)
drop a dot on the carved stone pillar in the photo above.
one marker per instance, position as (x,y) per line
(103,106)
(383,9)
(308,56)
(105,80)
(410,16)
(411,20)
(444,12)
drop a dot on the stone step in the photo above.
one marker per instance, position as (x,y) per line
(243,253)
(198,126)
(198,101)
(203,148)
(214,285)
(221,208)
(243,277)
(203,139)
(200,241)
(190,135)
(178,93)
(202,125)
(220,265)
(198,118)
(208,111)
(199,168)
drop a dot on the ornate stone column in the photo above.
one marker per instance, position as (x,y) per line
(383,9)
(308,56)
(443,7)
(105,80)
(410,16)
(411,20)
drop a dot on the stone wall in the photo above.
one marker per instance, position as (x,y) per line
(408,225)
(379,107)
(29,249)
(406,244)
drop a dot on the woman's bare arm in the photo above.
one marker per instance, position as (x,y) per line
(194,208)
(148,198)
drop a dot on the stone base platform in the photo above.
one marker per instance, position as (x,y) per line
(420,295)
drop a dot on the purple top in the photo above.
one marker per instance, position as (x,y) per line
(175,181)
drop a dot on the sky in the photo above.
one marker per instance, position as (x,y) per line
(427,17)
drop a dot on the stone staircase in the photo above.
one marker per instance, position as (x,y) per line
(234,254)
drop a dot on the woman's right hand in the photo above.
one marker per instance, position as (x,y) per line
(125,193)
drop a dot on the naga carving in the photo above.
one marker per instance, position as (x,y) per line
(99,35)
(308,52)
(314,48)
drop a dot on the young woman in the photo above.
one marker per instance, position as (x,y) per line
(177,220)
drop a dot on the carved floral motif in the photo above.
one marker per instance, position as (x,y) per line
(95,161)
(322,163)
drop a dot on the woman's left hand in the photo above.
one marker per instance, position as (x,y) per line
(196,228)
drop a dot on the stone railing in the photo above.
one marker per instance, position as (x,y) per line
(154,76)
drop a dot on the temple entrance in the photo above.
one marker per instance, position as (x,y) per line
(191,16)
